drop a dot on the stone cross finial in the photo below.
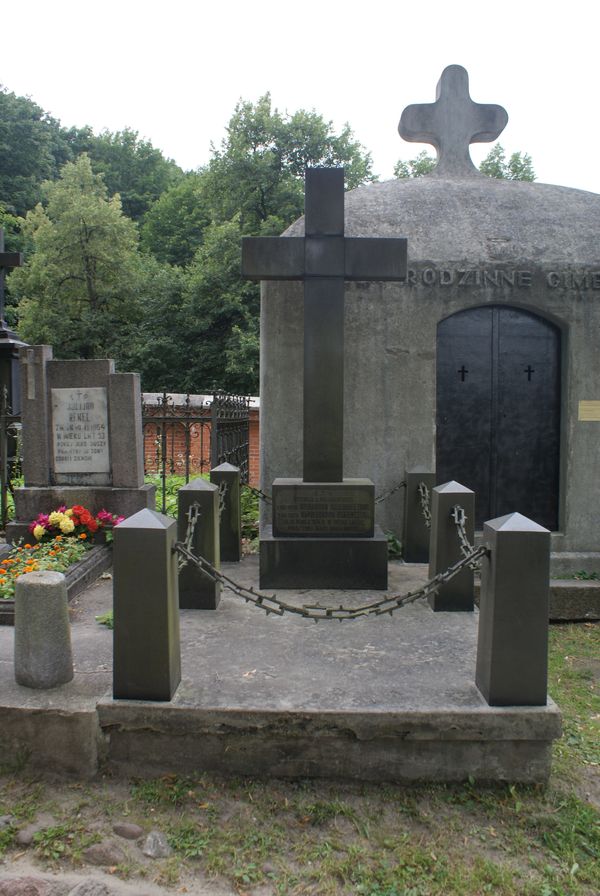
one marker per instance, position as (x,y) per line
(452,123)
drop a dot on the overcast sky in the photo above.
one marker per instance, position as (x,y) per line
(174,70)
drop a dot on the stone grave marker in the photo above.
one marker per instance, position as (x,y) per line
(323,531)
(82,438)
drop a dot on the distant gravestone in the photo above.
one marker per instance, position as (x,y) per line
(323,532)
(82,438)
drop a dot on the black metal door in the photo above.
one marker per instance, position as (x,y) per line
(498,411)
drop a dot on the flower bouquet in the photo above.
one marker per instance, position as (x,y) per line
(75,521)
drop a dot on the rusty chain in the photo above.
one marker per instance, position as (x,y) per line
(460,518)
(193,515)
(262,496)
(385,495)
(222,496)
(424,498)
(270,603)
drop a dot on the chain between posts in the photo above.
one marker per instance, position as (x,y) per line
(385,495)
(193,515)
(460,518)
(222,497)
(270,603)
(424,496)
(262,496)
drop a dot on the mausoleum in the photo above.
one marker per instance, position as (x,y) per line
(483,364)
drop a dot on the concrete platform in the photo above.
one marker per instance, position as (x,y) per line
(381,698)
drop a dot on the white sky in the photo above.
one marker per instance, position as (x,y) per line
(174,70)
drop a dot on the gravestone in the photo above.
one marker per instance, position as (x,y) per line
(323,533)
(506,399)
(82,438)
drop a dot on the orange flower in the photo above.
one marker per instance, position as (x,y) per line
(27,546)
(2,572)
(83,535)
(58,538)
(36,547)
(52,553)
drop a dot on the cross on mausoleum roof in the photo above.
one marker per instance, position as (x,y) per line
(452,123)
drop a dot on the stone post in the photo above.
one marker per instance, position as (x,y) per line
(415,548)
(146,648)
(197,591)
(512,645)
(445,549)
(43,657)
(227,477)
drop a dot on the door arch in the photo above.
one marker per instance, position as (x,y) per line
(498,410)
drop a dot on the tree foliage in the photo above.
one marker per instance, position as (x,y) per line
(518,167)
(77,289)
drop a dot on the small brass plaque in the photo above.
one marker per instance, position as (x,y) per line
(589,410)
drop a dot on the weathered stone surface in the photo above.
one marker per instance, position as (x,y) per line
(43,656)
(156,846)
(25,886)
(128,830)
(106,853)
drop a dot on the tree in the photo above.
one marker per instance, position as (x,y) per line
(26,157)
(173,227)
(130,166)
(417,167)
(78,290)
(518,167)
(258,171)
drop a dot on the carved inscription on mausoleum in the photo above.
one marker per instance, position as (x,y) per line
(80,430)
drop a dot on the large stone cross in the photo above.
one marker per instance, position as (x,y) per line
(324,258)
(452,123)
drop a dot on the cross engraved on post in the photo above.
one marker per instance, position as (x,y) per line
(324,258)
(452,123)
(463,372)
(529,370)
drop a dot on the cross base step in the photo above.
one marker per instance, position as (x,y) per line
(346,563)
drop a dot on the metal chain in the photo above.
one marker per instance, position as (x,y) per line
(222,496)
(385,495)
(272,604)
(262,496)
(460,518)
(193,515)
(424,497)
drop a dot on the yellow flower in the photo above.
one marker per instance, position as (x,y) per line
(56,518)
(69,512)
(39,532)
(67,526)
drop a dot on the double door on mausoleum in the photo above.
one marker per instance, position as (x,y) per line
(498,411)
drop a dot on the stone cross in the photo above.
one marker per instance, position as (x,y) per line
(8,260)
(452,123)
(324,258)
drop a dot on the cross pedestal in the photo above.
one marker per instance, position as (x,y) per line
(323,533)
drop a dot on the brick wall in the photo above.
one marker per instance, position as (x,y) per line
(184,438)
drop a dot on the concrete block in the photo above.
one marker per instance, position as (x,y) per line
(126,430)
(43,656)
(512,645)
(146,651)
(445,546)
